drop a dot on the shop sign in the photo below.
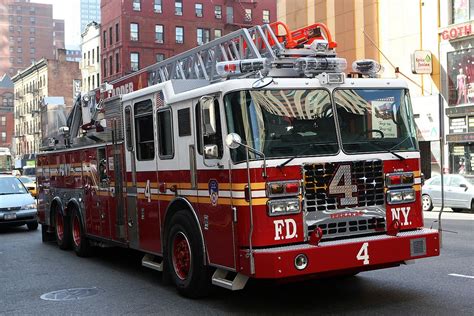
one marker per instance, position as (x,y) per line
(458,125)
(421,62)
(457,31)
(459,138)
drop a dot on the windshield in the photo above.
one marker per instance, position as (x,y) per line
(282,123)
(26,180)
(372,120)
(29,171)
(11,185)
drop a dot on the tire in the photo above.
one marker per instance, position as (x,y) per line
(62,230)
(426,203)
(32,225)
(80,243)
(185,257)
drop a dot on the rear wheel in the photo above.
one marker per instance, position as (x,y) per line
(185,256)
(426,203)
(80,244)
(63,231)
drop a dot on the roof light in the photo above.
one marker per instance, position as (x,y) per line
(367,67)
(238,67)
(313,65)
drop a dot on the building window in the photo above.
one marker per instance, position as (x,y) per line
(218,11)
(198,8)
(117,63)
(266,16)
(110,36)
(160,57)
(217,33)
(460,71)
(19,50)
(32,50)
(202,36)
(134,61)
(104,38)
(248,15)
(179,34)
(93,58)
(97,54)
(178,7)
(133,31)
(98,81)
(3,119)
(105,67)
(159,36)
(116,32)
(462,11)
(4,137)
(157,6)
(111,66)
(32,20)
(136,5)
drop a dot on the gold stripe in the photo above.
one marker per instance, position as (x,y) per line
(195,199)
(203,186)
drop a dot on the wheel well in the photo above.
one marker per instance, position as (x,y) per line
(52,213)
(175,206)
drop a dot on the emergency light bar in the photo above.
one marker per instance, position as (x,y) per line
(315,65)
(368,67)
(238,67)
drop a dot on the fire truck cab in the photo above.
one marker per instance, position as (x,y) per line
(275,167)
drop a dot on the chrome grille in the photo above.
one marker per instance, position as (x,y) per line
(367,175)
(10,209)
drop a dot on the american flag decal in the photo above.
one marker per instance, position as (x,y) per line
(159,102)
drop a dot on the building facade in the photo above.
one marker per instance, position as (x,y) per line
(457,64)
(138,33)
(90,65)
(6,112)
(90,12)
(47,77)
(29,33)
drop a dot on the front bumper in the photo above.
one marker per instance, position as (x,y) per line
(20,217)
(357,254)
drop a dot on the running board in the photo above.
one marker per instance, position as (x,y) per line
(219,278)
(149,262)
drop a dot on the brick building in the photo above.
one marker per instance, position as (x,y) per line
(29,33)
(138,33)
(47,77)
(6,111)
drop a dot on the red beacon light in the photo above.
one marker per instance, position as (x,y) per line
(241,66)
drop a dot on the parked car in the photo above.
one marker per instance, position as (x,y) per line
(458,193)
(17,206)
(30,184)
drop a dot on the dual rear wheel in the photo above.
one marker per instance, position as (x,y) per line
(70,233)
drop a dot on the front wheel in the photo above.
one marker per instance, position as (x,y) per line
(185,256)
(32,225)
(426,202)
(80,244)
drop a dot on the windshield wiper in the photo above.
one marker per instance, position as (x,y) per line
(390,150)
(310,146)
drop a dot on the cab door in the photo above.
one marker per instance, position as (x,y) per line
(214,183)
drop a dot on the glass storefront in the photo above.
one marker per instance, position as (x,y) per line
(460,71)
(461,158)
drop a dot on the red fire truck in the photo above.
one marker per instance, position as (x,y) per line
(251,156)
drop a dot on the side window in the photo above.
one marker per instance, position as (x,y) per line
(128,128)
(456,181)
(184,122)
(144,130)
(436,181)
(165,134)
(102,167)
(215,139)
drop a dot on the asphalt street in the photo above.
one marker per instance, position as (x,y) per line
(119,285)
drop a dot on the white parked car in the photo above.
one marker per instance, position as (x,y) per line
(458,193)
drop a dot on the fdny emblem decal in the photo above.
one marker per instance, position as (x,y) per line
(213,186)
(285,229)
(401,214)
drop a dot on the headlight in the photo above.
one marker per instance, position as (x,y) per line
(400,196)
(29,206)
(283,207)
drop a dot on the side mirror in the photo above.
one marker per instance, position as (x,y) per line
(463,185)
(211,152)
(233,140)
(395,113)
(208,114)
(64,130)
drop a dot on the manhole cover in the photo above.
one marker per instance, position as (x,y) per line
(71,294)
